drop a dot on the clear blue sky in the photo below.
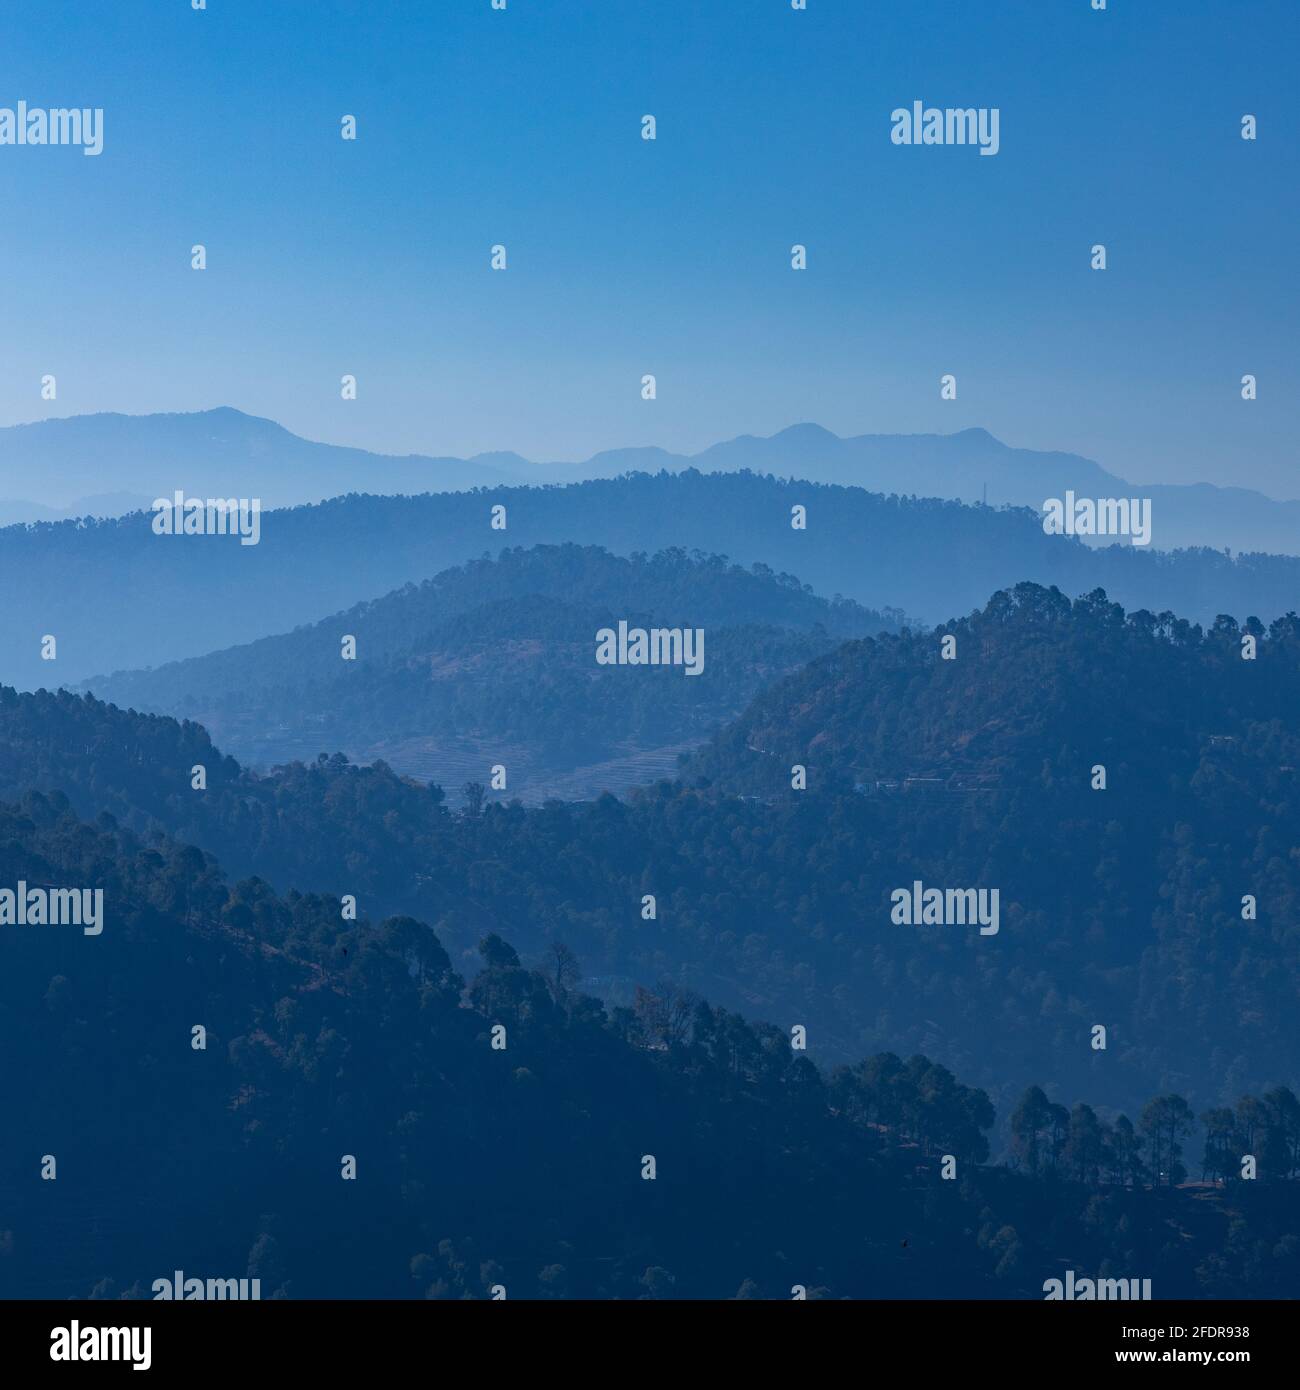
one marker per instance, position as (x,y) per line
(670,257)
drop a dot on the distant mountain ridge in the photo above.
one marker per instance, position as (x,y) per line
(19,511)
(220,452)
(53,464)
(177,597)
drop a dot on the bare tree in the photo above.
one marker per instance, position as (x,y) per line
(564,972)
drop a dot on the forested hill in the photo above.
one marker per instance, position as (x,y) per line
(1121,907)
(928,558)
(1036,690)
(698,590)
(354,1108)
(1128,782)
(494,664)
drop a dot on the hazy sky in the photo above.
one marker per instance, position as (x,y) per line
(671,257)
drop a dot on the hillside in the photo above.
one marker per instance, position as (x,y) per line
(1120,907)
(175,597)
(493,663)
(263,1090)
(1038,688)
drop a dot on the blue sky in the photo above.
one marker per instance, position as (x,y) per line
(671,257)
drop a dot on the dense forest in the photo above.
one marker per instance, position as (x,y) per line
(235,1082)
(173,598)
(498,656)
(1035,687)
(1124,908)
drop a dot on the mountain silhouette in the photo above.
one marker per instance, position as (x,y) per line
(52,464)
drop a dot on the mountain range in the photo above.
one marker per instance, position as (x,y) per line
(174,597)
(1122,902)
(61,464)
